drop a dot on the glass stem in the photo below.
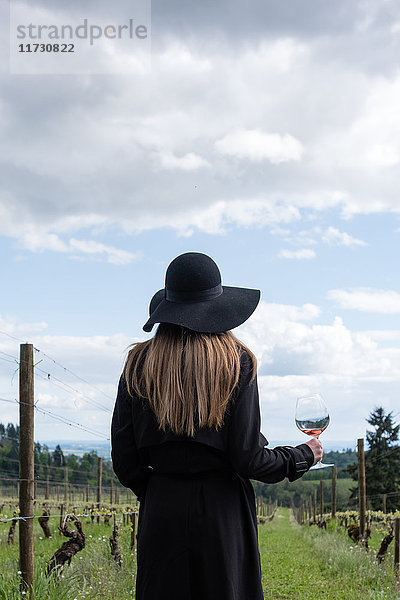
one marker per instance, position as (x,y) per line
(320,460)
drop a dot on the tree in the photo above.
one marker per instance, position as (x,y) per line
(58,457)
(12,433)
(82,469)
(382,460)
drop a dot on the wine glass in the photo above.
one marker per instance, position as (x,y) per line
(312,418)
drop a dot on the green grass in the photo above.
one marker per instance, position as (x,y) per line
(91,575)
(298,563)
(303,562)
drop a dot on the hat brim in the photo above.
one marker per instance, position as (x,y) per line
(229,310)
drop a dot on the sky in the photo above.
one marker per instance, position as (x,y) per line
(267,136)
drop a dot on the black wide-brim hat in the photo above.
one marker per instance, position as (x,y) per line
(195,298)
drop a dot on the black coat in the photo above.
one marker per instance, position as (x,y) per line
(197,531)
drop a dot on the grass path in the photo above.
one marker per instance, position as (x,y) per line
(299,563)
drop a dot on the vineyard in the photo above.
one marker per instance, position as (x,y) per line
(296,553)
(102,557)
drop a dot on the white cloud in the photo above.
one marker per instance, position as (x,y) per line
(289,312)
(395,27)
(179,57)
(367,300)
(37,239)
(301,254)
(334,237)
(383,335)
(383,155)
(158,133)
(14,327)
(311,237)
(287,341)
(114,255)
(259,145)
(297,355)
(188,162)
(367,143)
(217,218)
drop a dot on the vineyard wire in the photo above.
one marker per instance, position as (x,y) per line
(52,379)
(9,356)
(15,460)
(66,369)
(19,518)
(72,373)
(6,360)
(52,481)
(62,419)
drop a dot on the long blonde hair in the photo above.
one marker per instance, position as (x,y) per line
(187,377)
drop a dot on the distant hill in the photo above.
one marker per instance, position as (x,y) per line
(81,447)
(103,447)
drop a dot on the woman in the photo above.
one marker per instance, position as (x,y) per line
(186,440)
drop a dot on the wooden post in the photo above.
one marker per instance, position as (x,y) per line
(117,495)
(334,478)
(396,544)
(361,485)
(66,485)
(384,503)
(99,479)
(111,491)
(133,523)
(87,492)
(61,516)
(46,496)
(315,505)
(26,468)
(321,498)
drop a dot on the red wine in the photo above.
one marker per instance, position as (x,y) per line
(312,432)
(313,426)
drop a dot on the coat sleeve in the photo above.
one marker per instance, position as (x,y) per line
(124,452)
(247,446)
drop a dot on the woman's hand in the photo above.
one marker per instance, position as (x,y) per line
(316,447)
